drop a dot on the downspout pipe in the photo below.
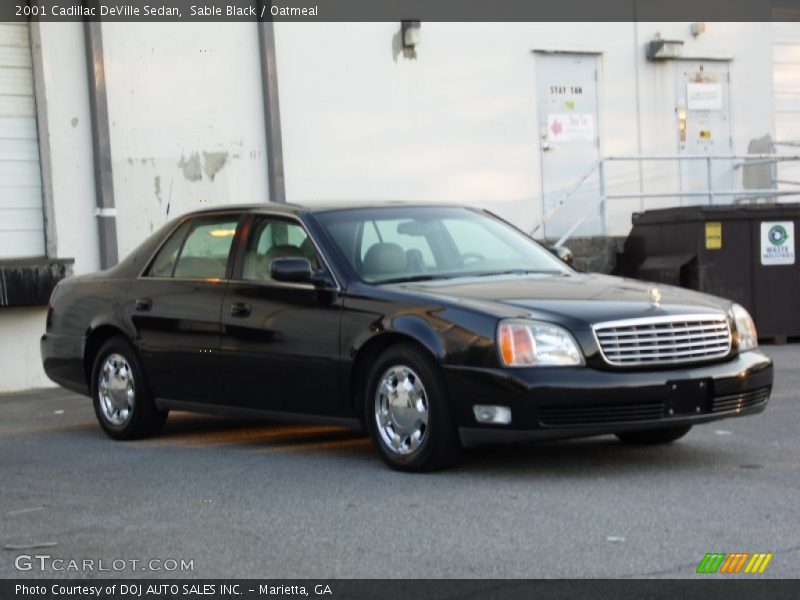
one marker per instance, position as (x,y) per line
(105,211)
(272,112)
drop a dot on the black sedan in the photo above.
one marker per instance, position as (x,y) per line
(435,327)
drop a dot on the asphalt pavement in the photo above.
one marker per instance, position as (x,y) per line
(267,500)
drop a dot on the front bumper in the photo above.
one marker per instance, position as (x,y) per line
(555,403)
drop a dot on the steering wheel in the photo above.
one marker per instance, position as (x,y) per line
(471,256)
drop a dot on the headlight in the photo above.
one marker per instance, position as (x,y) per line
(745,335)
(534,344)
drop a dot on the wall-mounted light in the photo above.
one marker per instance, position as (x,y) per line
(410,34)
(664,49)
(697,28)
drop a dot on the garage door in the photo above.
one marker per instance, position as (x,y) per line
(21,216)
(786,62)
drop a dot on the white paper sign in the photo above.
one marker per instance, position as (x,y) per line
(704,96)
(777,243)
(568,127)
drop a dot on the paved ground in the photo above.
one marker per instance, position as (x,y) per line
(261,500)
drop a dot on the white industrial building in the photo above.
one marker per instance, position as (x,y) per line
(108,130)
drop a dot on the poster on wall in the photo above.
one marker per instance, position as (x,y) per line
(777,243)
(568,127)
(704,96)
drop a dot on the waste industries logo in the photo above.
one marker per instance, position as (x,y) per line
(735,563)
(777,243)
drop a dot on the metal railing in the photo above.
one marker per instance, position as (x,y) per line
(737,162)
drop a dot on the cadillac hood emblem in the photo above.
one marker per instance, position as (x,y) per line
(655,296)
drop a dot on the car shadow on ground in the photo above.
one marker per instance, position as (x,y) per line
(565,458)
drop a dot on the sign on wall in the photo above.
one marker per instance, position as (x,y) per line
(777,243)
(568,127)
(704,96)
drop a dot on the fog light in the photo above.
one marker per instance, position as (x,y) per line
(487,413)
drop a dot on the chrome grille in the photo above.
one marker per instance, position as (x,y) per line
(663,340)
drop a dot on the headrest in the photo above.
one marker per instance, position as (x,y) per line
(383,258)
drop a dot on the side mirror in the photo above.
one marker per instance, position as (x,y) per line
(291,270)
(563,253)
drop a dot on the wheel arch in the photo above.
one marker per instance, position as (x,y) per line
(415,332)
(94,341)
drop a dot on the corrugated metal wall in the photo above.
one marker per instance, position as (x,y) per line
(786,59)
(21,213)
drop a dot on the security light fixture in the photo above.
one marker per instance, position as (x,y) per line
(697,28)
(410,32)
(664,49)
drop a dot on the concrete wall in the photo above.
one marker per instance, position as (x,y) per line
(460,123)
(187,120)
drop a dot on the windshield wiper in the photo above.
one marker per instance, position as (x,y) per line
(413,278)
(518,272)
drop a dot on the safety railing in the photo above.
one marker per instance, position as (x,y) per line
(737,162)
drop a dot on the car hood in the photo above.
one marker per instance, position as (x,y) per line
(576,299)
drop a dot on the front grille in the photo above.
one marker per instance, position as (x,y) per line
(740,400)
(575,416)
(664,340)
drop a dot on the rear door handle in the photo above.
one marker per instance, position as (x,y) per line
(143,304)
(240,309)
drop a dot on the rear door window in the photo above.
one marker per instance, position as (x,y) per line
(198,249)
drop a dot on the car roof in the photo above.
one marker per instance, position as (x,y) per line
(291,208)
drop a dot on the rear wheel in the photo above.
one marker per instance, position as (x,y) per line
(122,402)
(408,412)
(654,436)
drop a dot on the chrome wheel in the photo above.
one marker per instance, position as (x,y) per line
(401,410)
(116,390)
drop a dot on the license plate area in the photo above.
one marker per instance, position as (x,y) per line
(688,397)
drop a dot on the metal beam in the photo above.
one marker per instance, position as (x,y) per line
(272,112)
(101,145)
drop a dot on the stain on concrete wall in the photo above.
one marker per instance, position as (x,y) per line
(214,161)
(191,167)
(157,186)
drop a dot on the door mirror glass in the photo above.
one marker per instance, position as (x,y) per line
(291,270)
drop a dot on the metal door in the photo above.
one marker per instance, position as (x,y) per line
(569,138)
(704,128)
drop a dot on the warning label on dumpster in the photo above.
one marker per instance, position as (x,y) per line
(713,235)
(777,243)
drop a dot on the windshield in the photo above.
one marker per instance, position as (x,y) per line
(417,242)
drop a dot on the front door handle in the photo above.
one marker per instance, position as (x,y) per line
(143,304)
(240,309)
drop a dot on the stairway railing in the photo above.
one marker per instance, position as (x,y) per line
(737,162)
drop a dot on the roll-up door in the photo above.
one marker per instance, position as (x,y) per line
(21,211)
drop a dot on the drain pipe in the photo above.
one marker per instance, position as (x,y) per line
(106,211)
(272,112)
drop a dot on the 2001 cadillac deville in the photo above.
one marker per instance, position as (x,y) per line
(433,326)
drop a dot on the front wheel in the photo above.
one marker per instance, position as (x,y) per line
(654,436)
(407,411)
(122,402)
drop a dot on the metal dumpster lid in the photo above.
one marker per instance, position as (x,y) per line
(782,210)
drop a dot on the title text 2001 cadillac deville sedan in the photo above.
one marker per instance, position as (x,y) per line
(432,326)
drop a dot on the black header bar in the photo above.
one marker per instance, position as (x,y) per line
(397,10)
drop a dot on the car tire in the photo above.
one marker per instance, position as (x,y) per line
(416,432)
(654,436)
(123,404)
